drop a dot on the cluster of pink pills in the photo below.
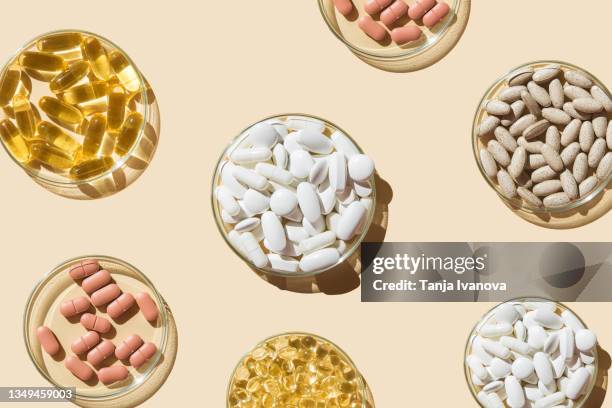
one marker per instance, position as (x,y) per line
(101,289)
(390,12)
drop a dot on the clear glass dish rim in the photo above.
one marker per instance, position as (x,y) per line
(143,96)
(220,225)
(399,56)
(488,314)
(362,382)
(514,201)
(104,258)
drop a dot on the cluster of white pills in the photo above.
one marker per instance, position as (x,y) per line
(531,354)
(295,191)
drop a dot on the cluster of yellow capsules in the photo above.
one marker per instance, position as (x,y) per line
(295,371)
(91,118)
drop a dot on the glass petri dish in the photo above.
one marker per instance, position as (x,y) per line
(351,246)
(127,167)
(433,45)
(481,142)
(42,308)
(270,352)
(474,389)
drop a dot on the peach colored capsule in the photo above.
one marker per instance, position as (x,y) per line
(147,306)
(96,323)
(105,295)
(128,347)
(420,8)
(109,375)
(96,281)
(394,12)
(143,354)
(376,6)
(77,367)
(47,340)
(101,352)
(345,7)
(403,35)
(74,306)
(120,305)
(85,343)
(84,268)
(372,28)
(436,14)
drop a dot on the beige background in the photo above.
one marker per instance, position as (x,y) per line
(219,66)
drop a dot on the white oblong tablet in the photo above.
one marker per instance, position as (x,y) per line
(254,155)
(571,320)
(343,144)
(566,343)
(351,220)
(283,263)
(515,345)
(300,163)
(515,393)
(283,202)
(522,368)
(327,195)
(250,178)
(577,383)
(543,367)
(248,224)
(296,232)
(308,201)
(274,232)
(228,180)
(253,250)
(280,156)
(585,340)
(255,202)
(495,329)
(550,401)
(548,319)
(299,123)
(227,201)
(262,135)
(315,141)
(536,337)
(318,241)
(274,173)
(506,313)
(477,367)
(331,221)
(236,241)
(318,172)
(360,167)
(314,228)
(321,259)
(291,144)
(499,368)
(337,171)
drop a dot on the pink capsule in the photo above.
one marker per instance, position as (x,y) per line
(345,7)
(101,352)
(376,6)
(128,347)
(372,28)
(147,306)
(105,295)
(97,323)
(418,10)
(143,354)
(74,306)
(403,35)
(109,375)
(84,268)
(436,14)
(120,305)
(96,281)
(80,370)
(85,343)
(394,12)
(47,340)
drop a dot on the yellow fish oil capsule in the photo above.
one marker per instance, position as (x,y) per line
(14,142)
(86,92)
(41,61)
(59,42)
(128,133)
(91,168)
(8,85)
(95,53)
(51,156)
(125,72)
(60,111)
(24,116)
(94,135)
(56,137)
(117,101)
(69,77)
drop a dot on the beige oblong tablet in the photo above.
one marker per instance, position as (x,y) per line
(374,30)
(75,306)
(105,295)
(96,323)
(406,34)
(109,375)
(84,269)
(128,346)
(47,340)
(85,342)
(77,367)
(143,354)
(147,306)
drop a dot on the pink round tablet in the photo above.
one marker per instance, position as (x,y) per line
(120,305)
(143,354)
(109,375)
(47,340)
(128,347)
(376,6)
(403,35)
(372,28)
(83,269)
(96,281)
(420,8)
(394,12)
(85,343)
(101,352)
(436,14)
(105,295)
(77,367)
(345,7)
(97,323)
(147,306)
(75,306)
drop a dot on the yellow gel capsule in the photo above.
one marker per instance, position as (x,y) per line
(117,101)
(91,168)
(56,137)
(94,135)
(51,156)
(41,61)
(8,85)
(125,71)
(13,140)
(24,116)
(59,42)
(60,111)
(69,77)
(128,134)
(96,54)
(86,92)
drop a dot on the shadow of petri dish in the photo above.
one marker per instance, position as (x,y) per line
(562,265)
